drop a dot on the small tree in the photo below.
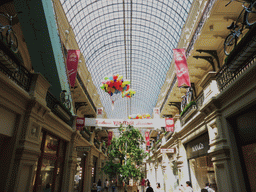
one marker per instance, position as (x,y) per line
(125,148)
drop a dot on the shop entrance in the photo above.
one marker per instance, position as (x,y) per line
(200,165)
(49,170)
(245,130)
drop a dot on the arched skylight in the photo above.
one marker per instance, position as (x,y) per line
(133,38)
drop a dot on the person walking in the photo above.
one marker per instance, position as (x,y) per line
(149,188)
(188,187)
(106,185)
(143,185)
(158,188)
(208,187)
(99,186)
(94,187)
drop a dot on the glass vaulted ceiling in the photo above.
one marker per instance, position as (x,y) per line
(133,38)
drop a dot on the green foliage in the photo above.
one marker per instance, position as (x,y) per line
(127,149)
(187,107)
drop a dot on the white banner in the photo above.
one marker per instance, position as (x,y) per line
(146,123)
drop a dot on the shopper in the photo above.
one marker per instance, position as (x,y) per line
(188,187)
(143,185)
(158,188)
(149,188)
(106,185)
(94,187)
(99,185)
(208,187)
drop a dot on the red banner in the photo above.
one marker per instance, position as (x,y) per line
(72,62)
(110,135)
(169,124)
(79,123)
(147,138)
(181,67)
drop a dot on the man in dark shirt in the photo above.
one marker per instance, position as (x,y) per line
(149,189)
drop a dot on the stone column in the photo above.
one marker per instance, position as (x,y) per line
(219,151)
(88,183)
(72,160)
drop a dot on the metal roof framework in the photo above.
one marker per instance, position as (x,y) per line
(133,38)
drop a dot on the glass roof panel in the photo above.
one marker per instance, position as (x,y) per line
(133,38)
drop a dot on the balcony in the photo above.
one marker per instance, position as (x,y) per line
(188,111)
(96,143)
(158,144)
(86,133)
(240,59)
(11,65)
(59,109)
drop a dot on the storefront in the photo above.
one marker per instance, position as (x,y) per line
(244,129)
(49,170)
(200,165)
(81,167)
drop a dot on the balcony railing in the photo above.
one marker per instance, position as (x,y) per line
(58,109)
(85,91)
(200,100)
(188,111)
(86,133)
(13,68)
(240,59)
(96,143)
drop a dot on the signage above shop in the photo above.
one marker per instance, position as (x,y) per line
(83,148)
(169,150)
(198,147)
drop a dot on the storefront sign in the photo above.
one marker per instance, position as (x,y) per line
(79,123)
(169,124)
(198,147)
(83,149)
(100,111)
(170,150)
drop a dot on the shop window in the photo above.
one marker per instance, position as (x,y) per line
(48,174)
(202,172)
(249,153)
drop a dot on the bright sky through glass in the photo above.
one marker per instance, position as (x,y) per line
(128,37)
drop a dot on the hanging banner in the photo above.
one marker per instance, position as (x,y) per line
(143,123)
(72,62)
(79,123)
(110,135)
(181,67)
(147,138)
(169,124)
(156,113)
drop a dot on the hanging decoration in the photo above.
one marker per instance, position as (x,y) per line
(181,67)
(114,85)
(139,116)
(129,94)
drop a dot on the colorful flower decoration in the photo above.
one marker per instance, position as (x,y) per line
(130,93)
(139,116)
(115,84)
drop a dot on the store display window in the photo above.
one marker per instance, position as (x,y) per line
(200,165)
(249,154)
(48,175)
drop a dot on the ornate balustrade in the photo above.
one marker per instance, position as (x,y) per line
(240,59)
(13,67)
(96,143)
(59,109)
